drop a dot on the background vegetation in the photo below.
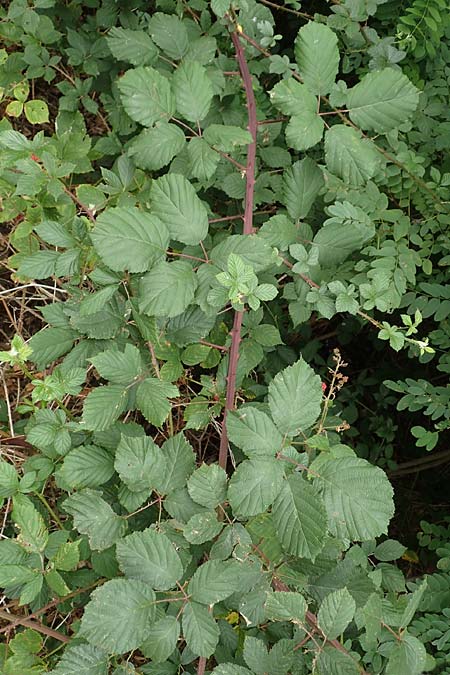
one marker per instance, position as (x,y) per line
(225,337)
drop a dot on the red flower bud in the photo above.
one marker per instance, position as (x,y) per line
(35,158)
(324,386)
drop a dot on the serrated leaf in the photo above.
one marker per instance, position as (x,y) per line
(286,606)
(170,34)
(202,527)
(382,101)
(214,581)
(203,159)
(200,630)
(389,550)
(168,289)
(150,557)
(292,97)
(207,486)
(226,137)
(49,344)
(33,532)
(9,479)
(408,657)
(95,518)
(82,659)
(154,148)
(152,398)
(349,156)
(162,639)
(336,612)
(180,463)
(256,655)
(87,466)
(103,406)
(300,519)
(192,90)
(119,367)
(305,129)
(253,251)
(357,496)
(67,556)
(254,432)
(176,204)
(119,616)
(17,575)
(302,183)
(139,463)
(330,661)
(254,486)
(94,302)
(317,56)
(295,396)
(36,111)
(129,239)
(133,46)
(146,95)
(414,601)
(220,7)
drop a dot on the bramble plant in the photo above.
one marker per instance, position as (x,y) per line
(193,489)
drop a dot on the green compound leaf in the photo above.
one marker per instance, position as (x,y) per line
(254,432)
(156,147)
(162,639)
(146,95)
(139,463)
(214,581)
(208,485)
(193,91)
(317,56)
(300,519)
(119,616)
(133,46)
(87,466)
(200,630)
(295,396)
(176,204)
(150,557)
(302,183)
(357,496)
(254,486)
(336,612)
(129,239)
(349,156)
(382,101)
(152,398)
(103,406)
(82,659)
(95,518)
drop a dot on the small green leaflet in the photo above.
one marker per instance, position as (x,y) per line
(176,204)
(168,289)
(9,480)
(202,527)
(295,396)
(357,496)
(146,95)
(119,367)
(193,91)
(103,406)
(150,557)
(203,158)
(152,398)
(180,463)
(300,519)
(94,517)
(330,661)
(291,97)
(254,432)
(170,34)
(156,147)
(139,463)
(162,639)
(304,130)
(82,659)
(302,183)
(200,630)
(335,613)
(226,137)
(133,46)
(349,156)
(317,56)
(254,486)
(214,581)
(286,606)
(382,101)
(33,532)
(129,239)
(207,486)
(408,657)
(119,616)
(87,466)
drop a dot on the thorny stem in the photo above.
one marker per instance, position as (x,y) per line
(35,625)
(248,229)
